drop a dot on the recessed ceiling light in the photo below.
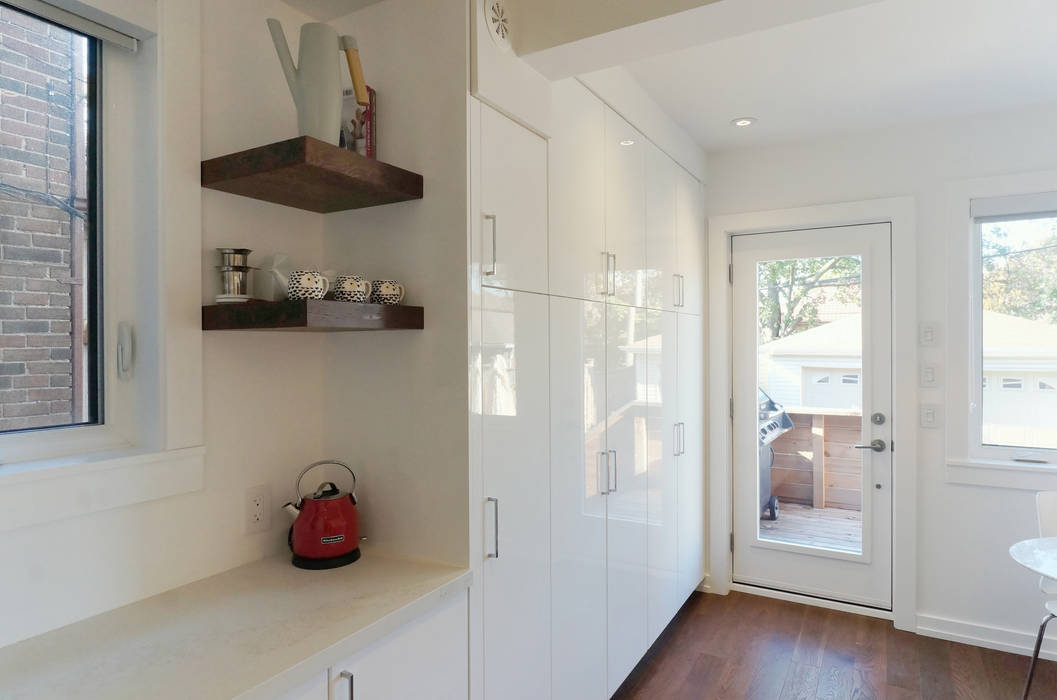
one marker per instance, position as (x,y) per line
(627,142)
(743,121)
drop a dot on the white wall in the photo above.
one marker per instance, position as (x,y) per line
(396,402)
(967,585)
(263,392)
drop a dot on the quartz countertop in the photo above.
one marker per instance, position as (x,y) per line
(249,632)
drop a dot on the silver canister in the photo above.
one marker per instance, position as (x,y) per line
(234,257)
(235,280)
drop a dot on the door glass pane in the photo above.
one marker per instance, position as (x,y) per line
(809,374)
(1019,343)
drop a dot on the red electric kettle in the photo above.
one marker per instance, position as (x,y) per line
(326,529)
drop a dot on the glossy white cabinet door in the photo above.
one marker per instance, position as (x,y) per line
(662,177)
(626,210)
(578,565)
(313,689)
(692,460)
(690,227)
(627,360)
(516,463)
(663,443)
(577,192)
(427,660)
(513,188)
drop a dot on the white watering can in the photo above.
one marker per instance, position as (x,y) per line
(315,82)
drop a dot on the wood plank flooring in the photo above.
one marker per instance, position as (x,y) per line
(742,647)
(832,528)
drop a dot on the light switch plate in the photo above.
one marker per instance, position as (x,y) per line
(929,375)
(929,334)
(931,415)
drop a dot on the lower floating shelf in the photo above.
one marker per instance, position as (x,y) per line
(319,315)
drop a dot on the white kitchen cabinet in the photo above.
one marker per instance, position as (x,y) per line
(425,661)
(313,689)
(663,446)
(625,178)
(663,285)
(690,228)
(578,537)
(576,167)
(691,471)
(513,204)
(626,449)
(516,469)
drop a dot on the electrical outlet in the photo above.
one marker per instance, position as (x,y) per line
(258,508)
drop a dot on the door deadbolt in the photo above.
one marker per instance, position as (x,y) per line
(878,419)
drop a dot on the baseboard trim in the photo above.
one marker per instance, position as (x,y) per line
(1000,638)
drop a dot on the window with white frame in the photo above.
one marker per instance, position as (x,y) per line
(50,300)
(1014,327)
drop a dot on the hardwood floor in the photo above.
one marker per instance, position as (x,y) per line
(741,647)
(831,528)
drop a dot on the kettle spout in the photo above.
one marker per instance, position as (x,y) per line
(291,509)
(283,51)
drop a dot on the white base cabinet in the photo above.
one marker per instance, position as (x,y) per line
(425,661)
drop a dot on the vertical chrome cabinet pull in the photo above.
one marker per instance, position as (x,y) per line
(675,290)
(676,439)
(605,273)
(682,438)
(614,453)
(495,533)
(613,276)
(682,291)
(492,218)
(352,690)
(599,456)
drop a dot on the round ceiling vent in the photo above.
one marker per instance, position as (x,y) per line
(497,18)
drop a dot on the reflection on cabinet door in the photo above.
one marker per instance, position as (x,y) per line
(578,566)
(313,689)
(576,165)
(625,210)
(411,664)
(516,464)
(627,360)
(663,286)
(663,444)
(690,227)
(513,212)
(691,460)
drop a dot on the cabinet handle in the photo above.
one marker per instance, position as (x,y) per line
(492,218)
(613,276)
(349,677)
(682,438)
(614,453)
(598,472)
(676,439)
(675,290)
(682,290)
(605,273)
(495,542)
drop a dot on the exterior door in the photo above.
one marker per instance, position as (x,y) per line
(813,467)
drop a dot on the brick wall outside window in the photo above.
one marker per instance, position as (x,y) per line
(42,223)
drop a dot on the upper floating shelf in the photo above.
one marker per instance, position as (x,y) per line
(307,173)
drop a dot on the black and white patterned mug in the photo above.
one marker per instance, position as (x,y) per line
(307,284)
(352,288)
(386,292)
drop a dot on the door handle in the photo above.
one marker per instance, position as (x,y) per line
(349,677)
(875,445)
(614,453)
(492,218)
(598,472)
(495,532)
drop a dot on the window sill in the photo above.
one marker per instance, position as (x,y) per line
(89,483)
(1001,474)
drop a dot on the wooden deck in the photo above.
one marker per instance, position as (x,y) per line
(830,528)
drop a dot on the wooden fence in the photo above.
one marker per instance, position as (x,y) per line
(816,464)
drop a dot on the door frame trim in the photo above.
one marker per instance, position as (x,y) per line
(900,212)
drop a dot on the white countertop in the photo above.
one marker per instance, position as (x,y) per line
(252,631)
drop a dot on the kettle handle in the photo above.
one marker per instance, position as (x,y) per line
(304,471)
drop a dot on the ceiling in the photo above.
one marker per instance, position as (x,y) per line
(883,64)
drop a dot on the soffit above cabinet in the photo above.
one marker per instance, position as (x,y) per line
(326,10)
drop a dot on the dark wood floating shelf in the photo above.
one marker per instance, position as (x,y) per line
(311,315)
(307,173)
